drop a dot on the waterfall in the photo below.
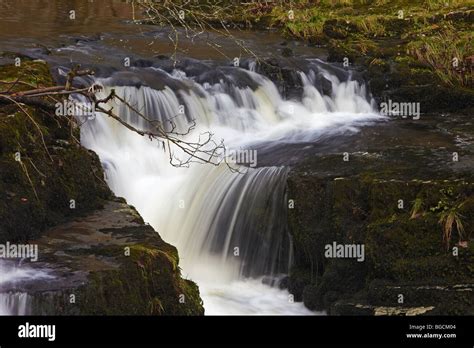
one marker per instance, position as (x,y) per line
(12,274)
(17,303)
(229,228)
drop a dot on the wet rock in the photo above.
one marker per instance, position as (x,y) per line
(142,63)
(310,297)
(113,264)
(385,292)
(284,73)
(358,202)
(357,309)
(284,283)
(162,57)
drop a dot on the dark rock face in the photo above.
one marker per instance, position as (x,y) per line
(408,266)
(403,79)
(284,72)
(112,264)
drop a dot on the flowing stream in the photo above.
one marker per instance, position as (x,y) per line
(12,273)
(230,228)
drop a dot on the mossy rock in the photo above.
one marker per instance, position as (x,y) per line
(376,201)
(341,279)
(449,299)
(42,167)
(110,263)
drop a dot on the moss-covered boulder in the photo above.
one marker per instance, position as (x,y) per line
(108,263)
(46,177)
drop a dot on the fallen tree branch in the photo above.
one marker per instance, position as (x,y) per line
(204,150)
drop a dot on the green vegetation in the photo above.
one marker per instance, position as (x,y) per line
(449,209)
(447,54)
(434,33)
(448,219)
(405,247)
(416,210)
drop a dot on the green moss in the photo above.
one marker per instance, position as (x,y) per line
(148,282)
(399,247)
(33,72)
(37,190)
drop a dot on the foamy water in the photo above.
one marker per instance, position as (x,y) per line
(229,228)
(17,302)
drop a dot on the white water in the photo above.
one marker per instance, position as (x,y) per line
(207,211)
(16,303)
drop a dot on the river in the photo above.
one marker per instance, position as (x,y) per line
(230,228)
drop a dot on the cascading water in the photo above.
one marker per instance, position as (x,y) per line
(16,302)
(229,228)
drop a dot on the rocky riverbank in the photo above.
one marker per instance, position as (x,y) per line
(409,51)
(402,190)
(108,263)
(396,190)
(101,256)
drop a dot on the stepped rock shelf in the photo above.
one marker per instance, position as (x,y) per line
(108,263)
(389,196)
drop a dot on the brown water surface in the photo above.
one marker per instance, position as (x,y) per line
(47,23)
